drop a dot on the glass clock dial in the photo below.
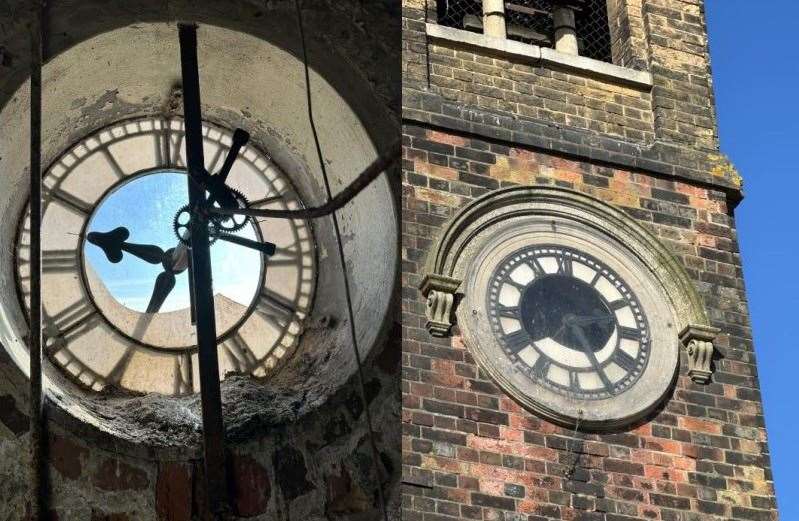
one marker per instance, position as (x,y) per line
(96,325)
(568,322)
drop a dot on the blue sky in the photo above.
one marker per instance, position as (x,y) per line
(149,221)
(755,55)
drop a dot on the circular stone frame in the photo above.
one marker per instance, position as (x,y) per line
(507,220)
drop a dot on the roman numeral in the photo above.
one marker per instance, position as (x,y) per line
(69,323)
(629,333)
(509,312)
(114,163)
(239,354)
(513,283)
(211,164)
(618,304)
(541,367)
(538,270)
(625,361)
(274,308)
(68,201)
(184,374)
(574,385)
(59,261)
(564,264)
(516,341)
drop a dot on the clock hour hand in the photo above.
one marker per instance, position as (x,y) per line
(113,244)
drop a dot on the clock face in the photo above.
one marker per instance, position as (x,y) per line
(96,326)
(568,322)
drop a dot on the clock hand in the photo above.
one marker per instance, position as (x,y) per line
(267,248)
(163,287)
(113,244)
(216,183)
(580,334)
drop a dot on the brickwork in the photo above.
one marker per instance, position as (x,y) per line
(470,78)
(667,128)
(470,452)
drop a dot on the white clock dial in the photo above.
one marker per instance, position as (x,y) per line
(96,327)
(568,322)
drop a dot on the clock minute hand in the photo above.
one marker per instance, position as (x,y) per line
(113,243)
(589,352)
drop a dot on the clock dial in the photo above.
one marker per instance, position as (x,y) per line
(97,327)
(569,322)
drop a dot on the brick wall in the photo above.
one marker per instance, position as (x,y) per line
(470,452)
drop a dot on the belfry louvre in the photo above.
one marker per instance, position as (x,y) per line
(575,337)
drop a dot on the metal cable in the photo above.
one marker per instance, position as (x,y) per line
(364,179)
(344,274)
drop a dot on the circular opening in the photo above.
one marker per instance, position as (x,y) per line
(136,268)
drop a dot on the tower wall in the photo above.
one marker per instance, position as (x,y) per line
(481,114)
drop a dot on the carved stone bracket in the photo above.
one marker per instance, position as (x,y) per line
(440,293)
(698,342)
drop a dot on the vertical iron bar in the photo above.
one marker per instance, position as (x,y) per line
(213,427)
(38,492)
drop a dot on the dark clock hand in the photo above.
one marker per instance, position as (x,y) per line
(113,244)
(219,191)
(589,352)
(581,321)
(267,248)
(240,138)
(163,286)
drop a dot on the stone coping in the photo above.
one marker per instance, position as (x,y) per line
(518,51)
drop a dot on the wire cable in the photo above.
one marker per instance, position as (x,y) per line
(345,275)
(364,179)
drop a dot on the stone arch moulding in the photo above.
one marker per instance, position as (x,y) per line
(447,263)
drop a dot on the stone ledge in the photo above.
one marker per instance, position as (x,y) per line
(668,159)
(527,53)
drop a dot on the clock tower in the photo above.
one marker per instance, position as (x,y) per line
(576,339)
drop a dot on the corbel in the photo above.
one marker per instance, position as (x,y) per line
(698,343)
(439,291)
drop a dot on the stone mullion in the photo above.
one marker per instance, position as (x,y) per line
(494,18)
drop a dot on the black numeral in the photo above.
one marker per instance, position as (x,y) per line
(564,264)
(274,308)
(625,361)
(59,261)
(67,200)
(629,333)
(541,367)
(516,341)
(239,354)
(509,312)
(536,266)
(618,304)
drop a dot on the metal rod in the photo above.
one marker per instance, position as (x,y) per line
(38,437)
(267,248)
(213,425)
(363,180)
